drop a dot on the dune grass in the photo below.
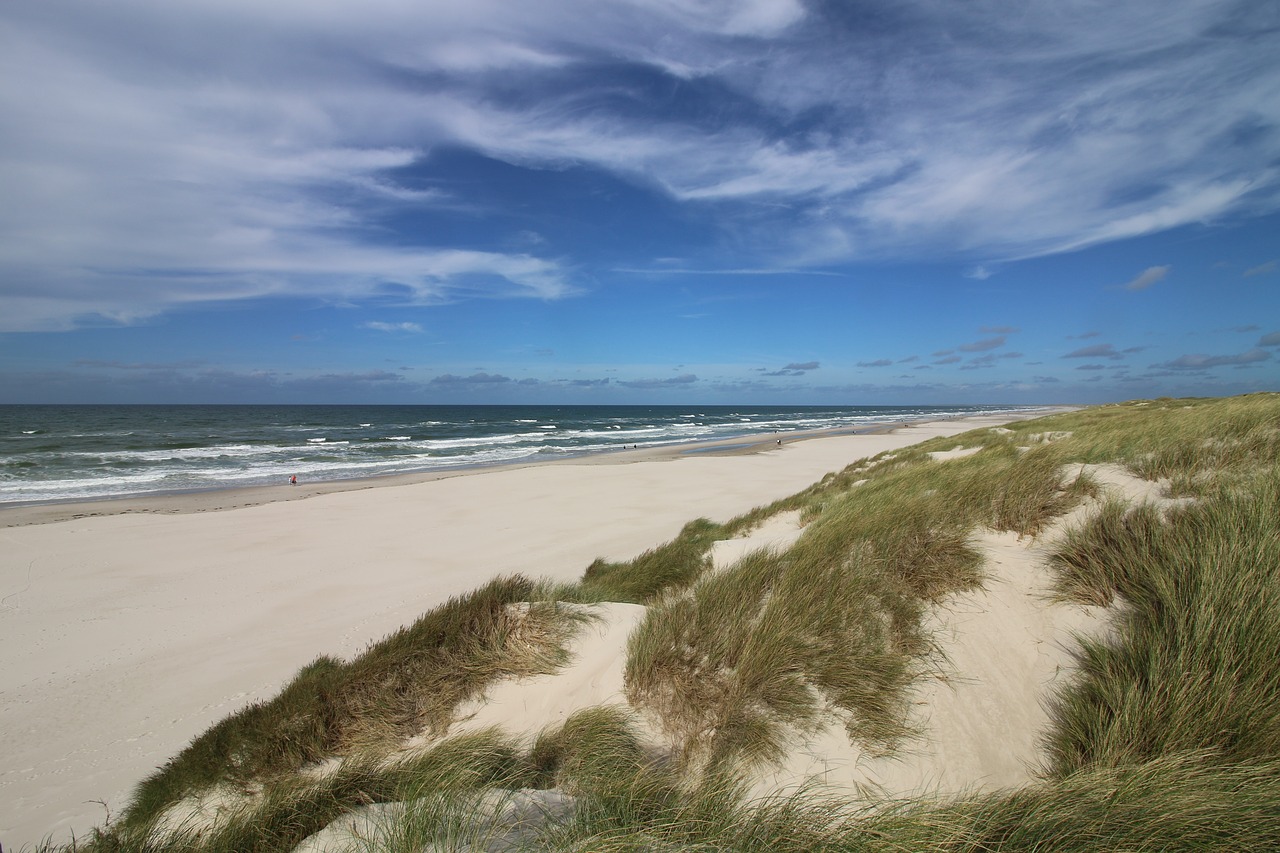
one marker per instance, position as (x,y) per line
(1166,739)
(408,683)
(747,658)
(1189,442)
(672,566)
(1195,665)
(290,809)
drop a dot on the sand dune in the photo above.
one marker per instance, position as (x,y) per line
(128,628)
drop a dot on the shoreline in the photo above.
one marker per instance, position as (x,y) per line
(180,502)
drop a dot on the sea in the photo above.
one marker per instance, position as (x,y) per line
(51,453)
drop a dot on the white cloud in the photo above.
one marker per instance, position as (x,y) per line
(379,326)
(1147,277)
(160,155)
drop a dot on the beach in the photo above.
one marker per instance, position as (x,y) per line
(128,627)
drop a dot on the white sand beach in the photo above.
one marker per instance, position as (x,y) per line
(129,627)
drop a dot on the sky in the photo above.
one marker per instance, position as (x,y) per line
(638,201)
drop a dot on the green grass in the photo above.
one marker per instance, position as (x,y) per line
(734,669)
(1167,738)
(1195,665)
(408,683)
(751,657)
(672,566)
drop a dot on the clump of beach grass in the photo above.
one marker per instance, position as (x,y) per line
(1191,668)
(674,565)
(288,809)
(756,652)
(406,684)
(593,750)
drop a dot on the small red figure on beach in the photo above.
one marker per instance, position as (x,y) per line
(293,481)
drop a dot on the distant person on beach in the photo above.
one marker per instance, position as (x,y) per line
(293,481)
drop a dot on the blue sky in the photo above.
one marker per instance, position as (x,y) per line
(638,201)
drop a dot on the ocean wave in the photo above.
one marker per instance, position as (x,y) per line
(87,458)
(185,453)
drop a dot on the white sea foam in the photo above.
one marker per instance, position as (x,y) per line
(217,451)
(88,458)
(481,441)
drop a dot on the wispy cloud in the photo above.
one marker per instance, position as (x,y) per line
(762,271)
(1205,362)
(360,377)
(983,345)
(148,166)
(1096,351)
(674,381)
(476,379)
(379,326)
(1261,269)
(794,369)
(1147,277)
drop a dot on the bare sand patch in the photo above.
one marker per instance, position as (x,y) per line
(777,533)
(980,710)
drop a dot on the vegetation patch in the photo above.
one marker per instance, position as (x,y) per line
(408,683)
(1202,588)
(672,566)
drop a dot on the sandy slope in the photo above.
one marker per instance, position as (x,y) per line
(124,636)
(979,714)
